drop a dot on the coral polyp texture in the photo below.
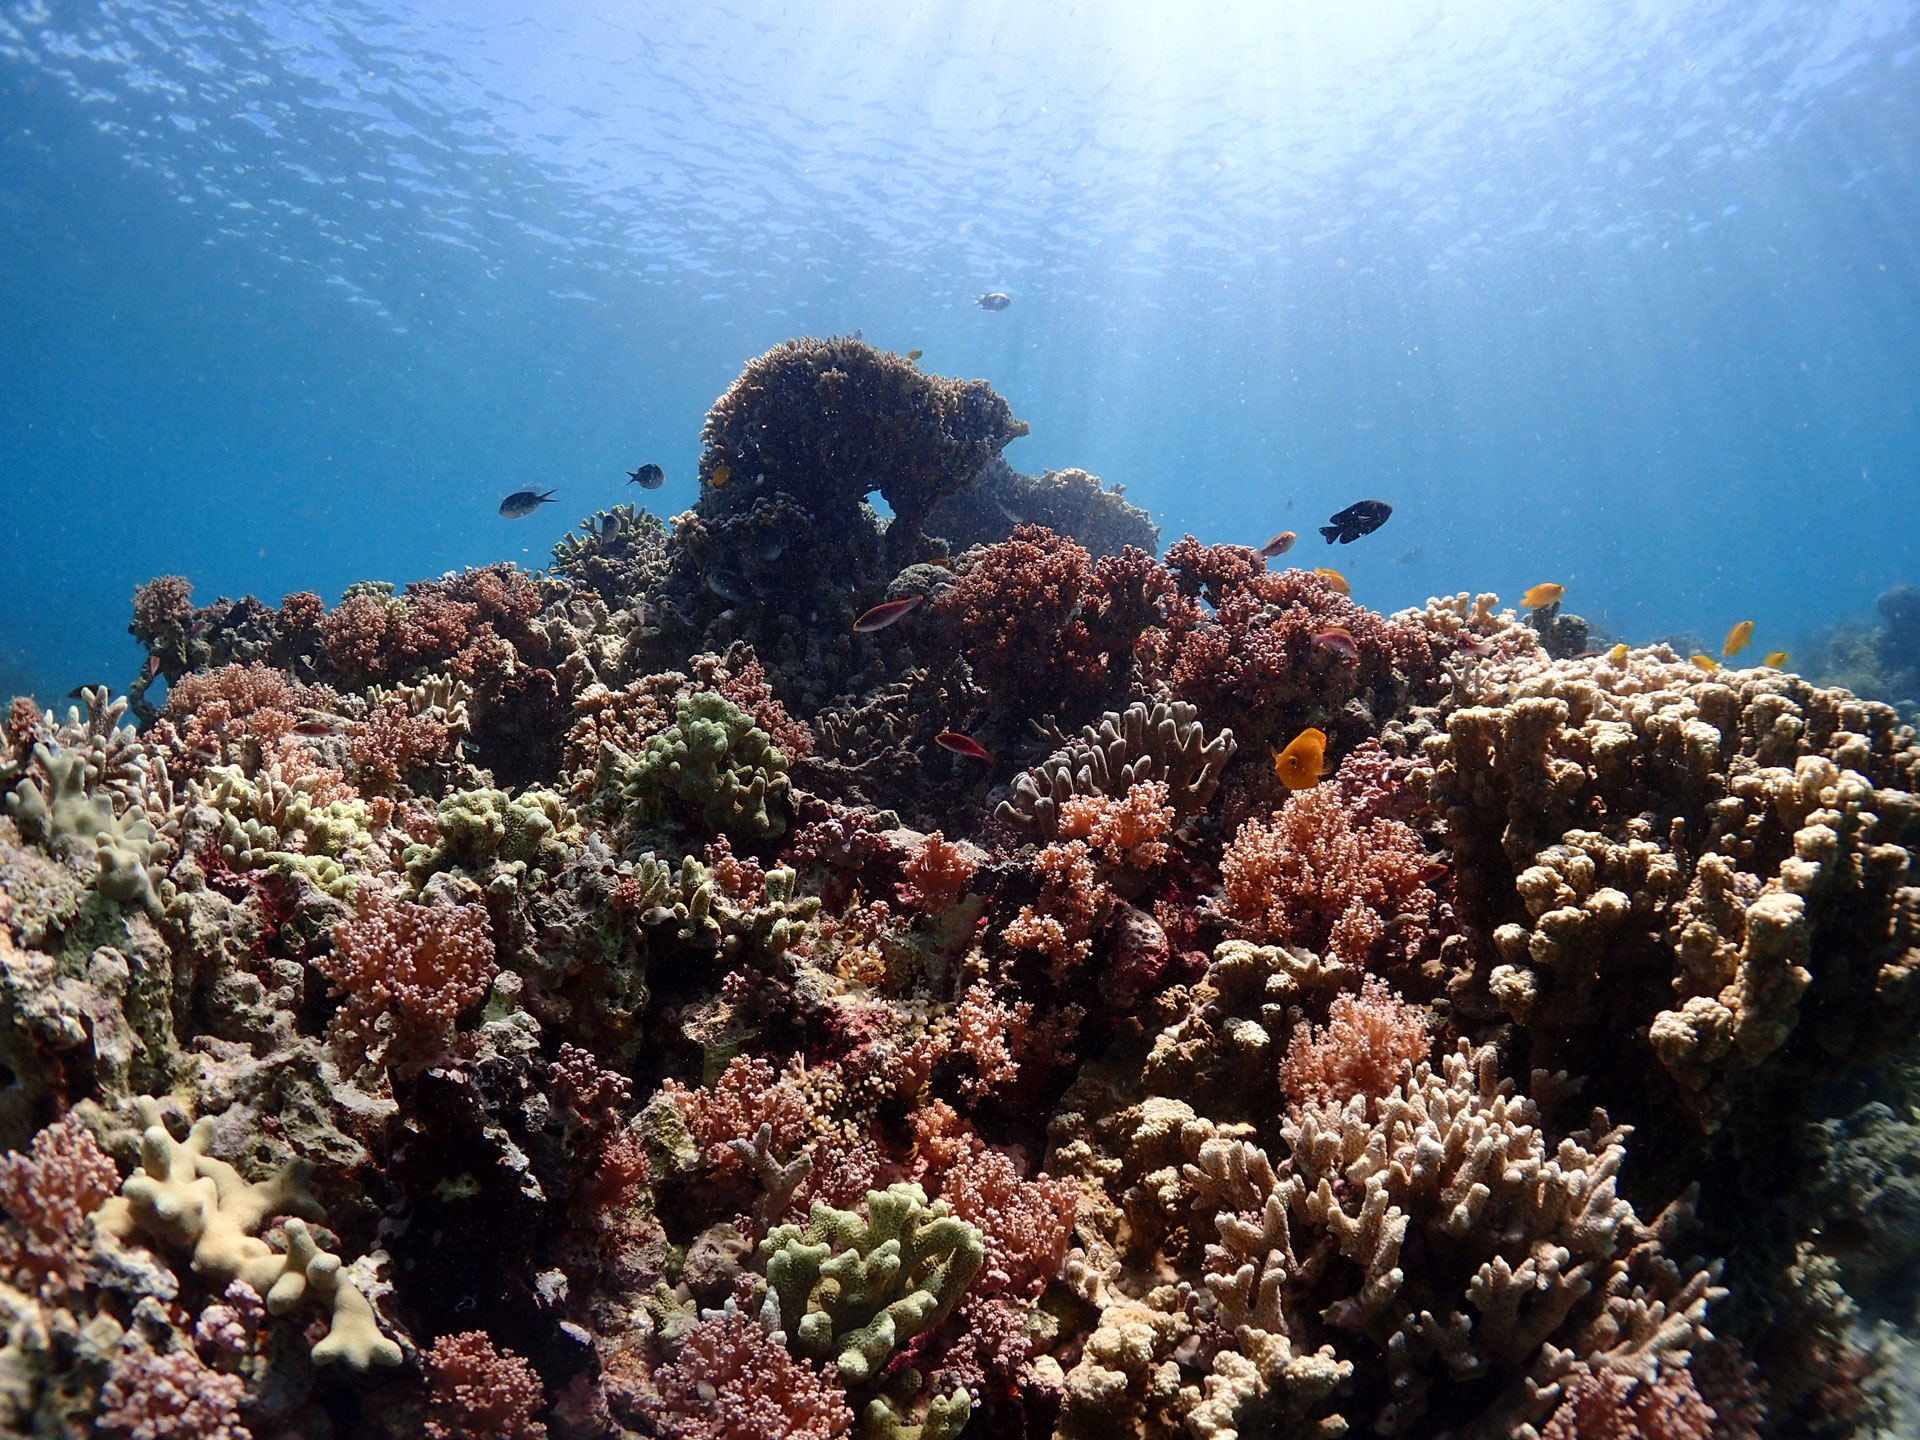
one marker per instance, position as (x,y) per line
(625,1000)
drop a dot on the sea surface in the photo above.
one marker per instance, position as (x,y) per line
(1620,295)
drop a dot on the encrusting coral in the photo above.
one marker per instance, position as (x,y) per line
(702,1018)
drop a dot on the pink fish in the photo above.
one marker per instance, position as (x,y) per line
(1338,641)
(881,616)
(963,745)
(1278,545)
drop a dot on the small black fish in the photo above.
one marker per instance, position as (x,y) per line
(649,477)
(524,502)
(994,300)
(1363,517)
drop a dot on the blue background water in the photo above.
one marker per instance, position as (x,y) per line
(1623,295)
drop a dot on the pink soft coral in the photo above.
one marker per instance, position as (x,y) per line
(48,1193)
(733,1381)
(1370,1043)
(480,1393)
(406,971)
(171,1397)
(1316,877)
(744,1097)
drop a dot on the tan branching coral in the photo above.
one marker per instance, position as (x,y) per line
(190,1200)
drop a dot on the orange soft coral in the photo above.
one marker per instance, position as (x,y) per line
(1129,831)
(1370,1043)
(936,874)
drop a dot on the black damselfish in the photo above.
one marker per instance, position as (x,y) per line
(1363,517)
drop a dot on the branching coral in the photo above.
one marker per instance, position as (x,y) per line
(48,1195)
(189,1199)
(714,767)
(172,1396)
(732,1381)
(1370,1044)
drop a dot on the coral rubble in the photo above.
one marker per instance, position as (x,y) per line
(625,1000)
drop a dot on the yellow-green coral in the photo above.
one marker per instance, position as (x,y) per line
(854,1288)
(512,838)
(270,823)
(68,808)
(713,767)
(186,1198)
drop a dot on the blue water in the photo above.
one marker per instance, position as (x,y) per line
(1621,295)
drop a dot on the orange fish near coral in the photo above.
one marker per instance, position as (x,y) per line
(719,476)
(1542,595)
(1278,545)
(962,745)
(1618,654)
(1337,640)
(1300,764)
(1706,663)
(1737,638)
(881,616)
(1776,661)
(1336,582)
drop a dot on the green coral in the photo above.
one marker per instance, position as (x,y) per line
(515,840)
(713,767)
(270,823)
(854,1288)
(67,810)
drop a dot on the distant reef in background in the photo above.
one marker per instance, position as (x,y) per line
(796,971)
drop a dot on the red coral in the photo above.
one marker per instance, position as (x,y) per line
(415,967)
(235,715)
(735,1106)
(171,1397)
(747,687)
(1315,877)
(48,1193)
(1131,831)
(480,1393)
(732,1381)
(297,622)
(1039,623)
(594,1100)
(23,722)
(163,601)
(1608,1405)
(1025,1224)
(937,874)
(1370,1043)
(991,1033)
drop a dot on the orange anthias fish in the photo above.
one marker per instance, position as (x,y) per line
(881,616)
(1300,764)
(1776,661)
(1337,640)
(1278,545)
(1542,595)
(1706,663)
(1336,582)
(963,745)
(1737,638)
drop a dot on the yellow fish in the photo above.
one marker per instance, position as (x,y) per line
(1337,583)
(1542,595)
(1706,663)
(1300,764)
(1618,654)
(1776,661)
(1737,638)
(915,354)
(719,476)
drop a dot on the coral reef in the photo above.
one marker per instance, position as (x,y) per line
(625,1000)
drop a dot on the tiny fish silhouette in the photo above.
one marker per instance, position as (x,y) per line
(1737,638)
(1542,595)
(962,745)
(915,354)
(1363,517)
(881,616)
(1336,582)
(524,502)
(1411,555)
(994,300)
(648,477)
(1300,764)
(1278,545)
